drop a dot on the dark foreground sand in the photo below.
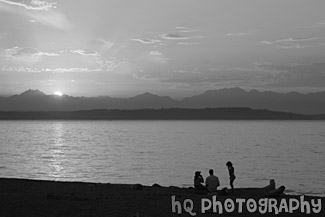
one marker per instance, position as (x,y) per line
(20,197)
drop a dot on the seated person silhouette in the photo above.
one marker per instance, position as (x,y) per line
(198,180)
(270,187)
(212,182)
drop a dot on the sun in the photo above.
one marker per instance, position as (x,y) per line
(58,93)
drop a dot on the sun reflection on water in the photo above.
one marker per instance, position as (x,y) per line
(57,153)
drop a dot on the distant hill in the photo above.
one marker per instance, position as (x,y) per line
(311,103)
(156,114)
(35,100)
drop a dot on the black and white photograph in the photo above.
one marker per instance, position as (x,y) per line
(142,108)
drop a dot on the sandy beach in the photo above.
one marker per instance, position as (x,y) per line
(22,197)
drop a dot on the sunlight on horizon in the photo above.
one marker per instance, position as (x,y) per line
(58,93)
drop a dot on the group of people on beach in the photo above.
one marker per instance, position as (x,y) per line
(212,182)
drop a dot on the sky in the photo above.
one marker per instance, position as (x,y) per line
(178,48)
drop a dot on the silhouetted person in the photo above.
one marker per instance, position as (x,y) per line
(271,186)
(231,171)
(212,182)
(198,180)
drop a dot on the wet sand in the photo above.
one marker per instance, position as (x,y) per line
(22,197)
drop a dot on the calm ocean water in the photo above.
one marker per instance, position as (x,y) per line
(167,152)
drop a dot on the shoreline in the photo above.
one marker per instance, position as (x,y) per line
(222,113)
(26,197)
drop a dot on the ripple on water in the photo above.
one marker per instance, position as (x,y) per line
(166,152)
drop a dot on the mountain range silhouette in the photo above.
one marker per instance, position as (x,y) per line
(295,102)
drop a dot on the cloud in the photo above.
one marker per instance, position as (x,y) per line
(5,68)
(188,43)
(208,78)
(183,29)
(288,40)
(41,12)
(70,70)
(155,53)
(173,37)
(181,39)
(237,34)
(297,75)
(30,59)
(104,66)
(35,5)
(26,51)
(101,44)
(146,41)
(319,24)
(298,46)
(85,53)
(111,64)
(50,70)
(26,55)
(290,43)
(158,57)
(53,19)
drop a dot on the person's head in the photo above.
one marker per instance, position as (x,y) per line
(211,171)
(229,164)
(272,182)
(197,173)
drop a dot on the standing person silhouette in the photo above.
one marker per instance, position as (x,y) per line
(231,171)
